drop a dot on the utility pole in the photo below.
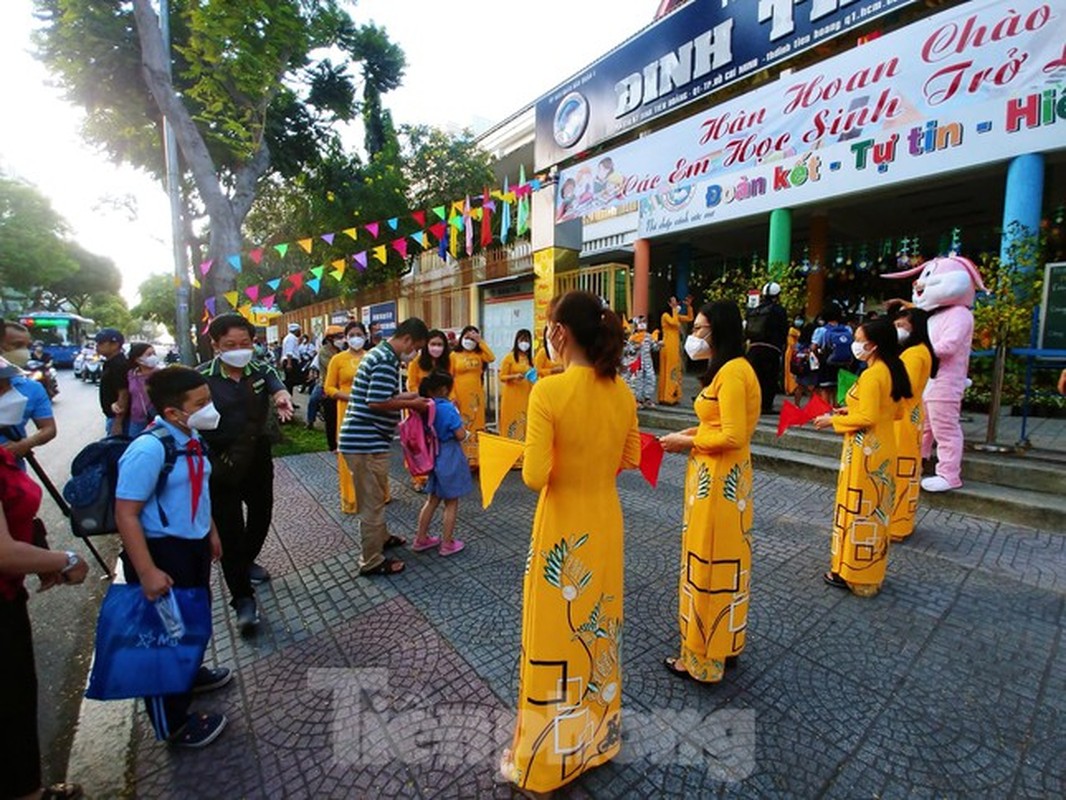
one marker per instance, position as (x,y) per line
(183,333)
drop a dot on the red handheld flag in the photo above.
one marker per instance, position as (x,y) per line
(651,458)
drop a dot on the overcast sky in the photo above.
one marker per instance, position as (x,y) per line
(467,66)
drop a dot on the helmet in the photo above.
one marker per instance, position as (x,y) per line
(333,330)
(771,289)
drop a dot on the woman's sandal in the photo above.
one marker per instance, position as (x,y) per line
(394,541)
(62,791)
(835,580)
(390,566)
(671,665)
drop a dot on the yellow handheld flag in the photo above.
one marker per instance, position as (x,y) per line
(496,456)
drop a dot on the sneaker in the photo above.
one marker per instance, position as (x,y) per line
(208,679)
(451,548)
(198,731)
(247,615)
(258,574)
(427,544)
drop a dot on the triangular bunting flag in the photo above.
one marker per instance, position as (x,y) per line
(338,273)
(439,211)
(235,261)
(267,302)
(209,306)
(246,311)
(400,246)
(419,217)
(288,293)
(651,458)
(496,456)
(845,380)
(194,283)
(205,266)
(231,298)
(305,244)
(314,284)
(274,284)
(282,249)
(256,255)
(351,233)
(457,222)
(419,239)
(360,260)
(372,229)
(338,264)
(394,222)
(438,230)
(296,279)
(380,254)
(317,271)
(252,292)
(328,237)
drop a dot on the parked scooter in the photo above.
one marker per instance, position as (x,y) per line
(91,369)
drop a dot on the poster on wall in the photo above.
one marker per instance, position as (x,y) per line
(698,49)
(383,314)
(978,83)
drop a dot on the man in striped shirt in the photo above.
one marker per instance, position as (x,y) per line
(367,432)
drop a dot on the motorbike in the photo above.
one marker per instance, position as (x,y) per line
(44,374)
(91,367)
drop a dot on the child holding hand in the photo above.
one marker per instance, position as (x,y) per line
(450,478)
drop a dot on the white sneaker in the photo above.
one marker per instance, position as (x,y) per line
(937,484)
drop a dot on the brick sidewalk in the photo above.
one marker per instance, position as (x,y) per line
(951,683)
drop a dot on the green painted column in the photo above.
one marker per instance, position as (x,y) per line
(779,255)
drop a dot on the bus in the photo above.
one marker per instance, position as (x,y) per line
(63,334)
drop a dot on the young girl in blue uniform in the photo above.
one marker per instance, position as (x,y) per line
(450,478)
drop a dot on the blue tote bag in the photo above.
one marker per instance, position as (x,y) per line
(137,655)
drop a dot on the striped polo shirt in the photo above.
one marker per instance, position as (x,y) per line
(377,380)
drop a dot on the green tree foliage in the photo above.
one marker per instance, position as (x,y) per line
(33,249)
(252,93)
(157,301)
(95,276)
(110,311)
(441,167)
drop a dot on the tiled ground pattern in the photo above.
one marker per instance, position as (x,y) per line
(951,683)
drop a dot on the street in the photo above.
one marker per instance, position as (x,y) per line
(64,618)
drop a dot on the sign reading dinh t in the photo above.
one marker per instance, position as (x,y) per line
(696,50)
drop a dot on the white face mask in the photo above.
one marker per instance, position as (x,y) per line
(204,419)
(697,348)
(523,346)
(469,344)
(903,335)
(356,342)
(18,357)
(149,361)
(12,407)
(642,326)
(858,349)
(436,350)
(237,358)
(407,358)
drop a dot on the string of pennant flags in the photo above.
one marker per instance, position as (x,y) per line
(453,232)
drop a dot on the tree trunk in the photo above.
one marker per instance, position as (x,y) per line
(225,215)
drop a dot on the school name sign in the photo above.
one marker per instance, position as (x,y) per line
(982,82)
(698,49)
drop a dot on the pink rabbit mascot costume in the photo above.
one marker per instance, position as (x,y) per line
(946,288)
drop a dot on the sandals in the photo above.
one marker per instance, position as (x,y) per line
(62,791)
(390,566)
(671,665)
(394,541)
(835,580)
(425,544)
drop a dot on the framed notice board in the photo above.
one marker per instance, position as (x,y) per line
(1053,308)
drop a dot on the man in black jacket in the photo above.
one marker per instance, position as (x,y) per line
(767,333)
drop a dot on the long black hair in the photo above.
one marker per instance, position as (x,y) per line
(594,327)
(727,336)
(919,320)
(523,333)
(882,333)
(426,362)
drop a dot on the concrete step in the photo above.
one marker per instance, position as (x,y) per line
(1016,489)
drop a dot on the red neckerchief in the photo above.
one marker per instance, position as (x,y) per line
(194,460)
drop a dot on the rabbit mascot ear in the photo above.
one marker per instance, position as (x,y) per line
(940,282)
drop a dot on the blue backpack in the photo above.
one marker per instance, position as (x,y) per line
(94,479)
(837,344)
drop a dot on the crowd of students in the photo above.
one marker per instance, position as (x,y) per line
(564,402)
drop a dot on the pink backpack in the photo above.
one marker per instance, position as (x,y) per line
(419,442)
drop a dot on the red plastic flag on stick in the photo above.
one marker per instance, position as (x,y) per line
(651,458)
(792,415)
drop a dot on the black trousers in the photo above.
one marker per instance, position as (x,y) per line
(188,563)
(21,773)
(293,375)
(243,534)
(329,414)
(766,361)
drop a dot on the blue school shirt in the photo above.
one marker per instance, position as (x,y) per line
(38,406)
(446,419)
(138,475)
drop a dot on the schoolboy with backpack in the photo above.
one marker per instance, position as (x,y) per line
(162,511)
(832,344)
